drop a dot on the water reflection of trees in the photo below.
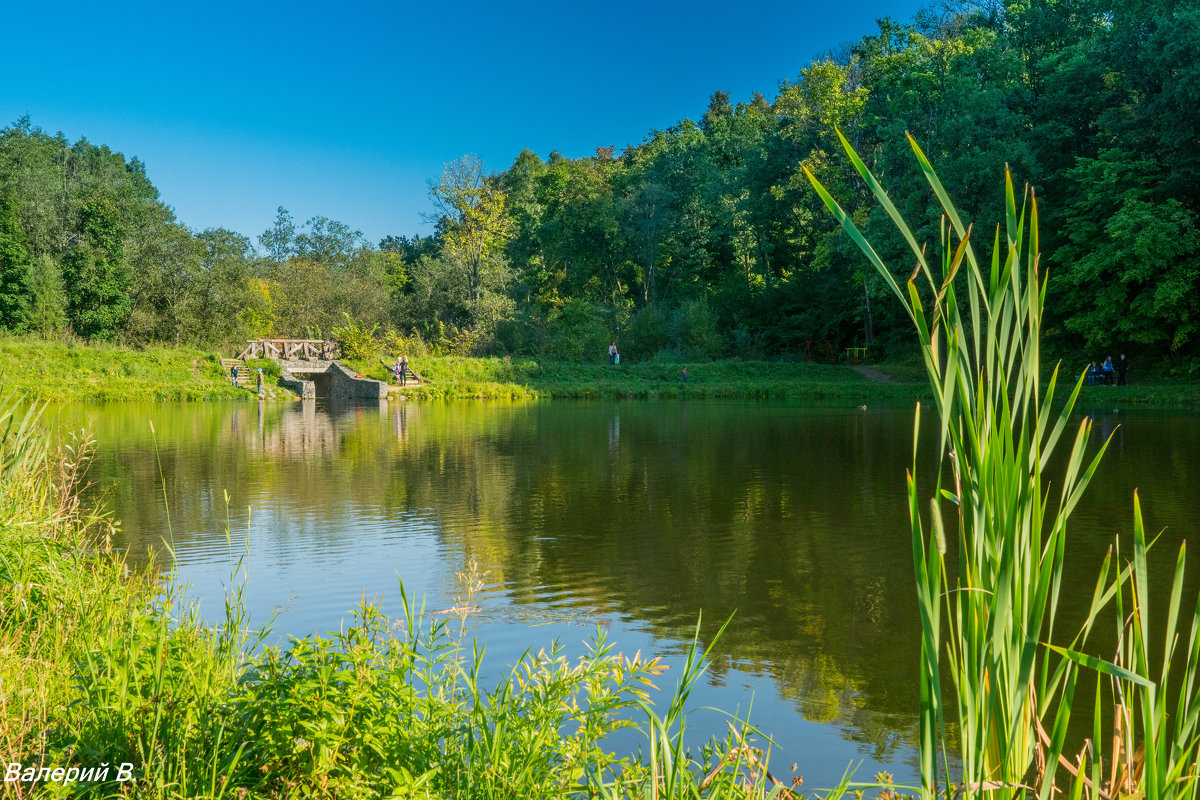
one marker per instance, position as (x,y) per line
(654,511)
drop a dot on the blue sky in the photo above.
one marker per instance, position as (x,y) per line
(347,110)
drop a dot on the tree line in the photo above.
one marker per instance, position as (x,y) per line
(703,240)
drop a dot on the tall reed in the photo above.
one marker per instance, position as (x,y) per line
(987,605)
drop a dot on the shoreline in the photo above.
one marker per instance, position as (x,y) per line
(68,372)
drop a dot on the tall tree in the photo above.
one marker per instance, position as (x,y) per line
(280,239)
(96,275)
(1131,272)
(14,266)
(48,298)
(328,241)
(474,225)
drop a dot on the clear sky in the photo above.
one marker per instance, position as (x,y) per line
(348,109)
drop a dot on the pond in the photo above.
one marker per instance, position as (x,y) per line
(639,517)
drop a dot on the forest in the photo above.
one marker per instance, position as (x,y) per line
(703,240)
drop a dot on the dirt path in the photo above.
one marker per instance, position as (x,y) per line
(874,374)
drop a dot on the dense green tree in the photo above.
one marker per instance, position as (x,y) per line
(280,239)
(47,298)
(167,288)
(328,241)
(1132,274)
(96,274)
(702,238)
(225,299)
(474,227)
(434,303)
(14,267)
(578,235)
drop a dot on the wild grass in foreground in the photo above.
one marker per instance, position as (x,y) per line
(111,686)
(989,596)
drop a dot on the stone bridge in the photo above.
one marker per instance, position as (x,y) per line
(320,378)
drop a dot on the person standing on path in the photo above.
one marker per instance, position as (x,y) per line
(260,382)
(402,368)
(234,372)
(683,377)
(612,353)
(1122,366)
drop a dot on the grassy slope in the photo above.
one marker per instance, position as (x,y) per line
(61,371)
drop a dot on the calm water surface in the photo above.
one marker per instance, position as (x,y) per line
(638,517)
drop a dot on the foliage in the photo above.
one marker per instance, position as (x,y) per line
(1096,101)
(396,345)
(470,212)
(95,274)
(279,239)
(270,367)
(577,333)
(1132,268)
(355,339)
(14,267)
(48,298)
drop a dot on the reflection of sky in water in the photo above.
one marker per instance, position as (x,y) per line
(632,516)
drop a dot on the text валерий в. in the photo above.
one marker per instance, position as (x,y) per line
(65,775)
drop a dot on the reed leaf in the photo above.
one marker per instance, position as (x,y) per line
(985,609)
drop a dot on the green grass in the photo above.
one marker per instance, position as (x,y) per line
(1142,395)
(68,371)
(457,377)
(64,371)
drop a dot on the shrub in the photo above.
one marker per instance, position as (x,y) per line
(578,333)
(355,339)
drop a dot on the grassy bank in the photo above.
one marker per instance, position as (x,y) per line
(457,377)
(60,371)
(1141,395)
(68,371)
(110,686)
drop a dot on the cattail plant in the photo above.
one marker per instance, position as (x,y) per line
(988,601)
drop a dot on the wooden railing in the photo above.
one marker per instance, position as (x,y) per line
(856,355)
(290,349)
